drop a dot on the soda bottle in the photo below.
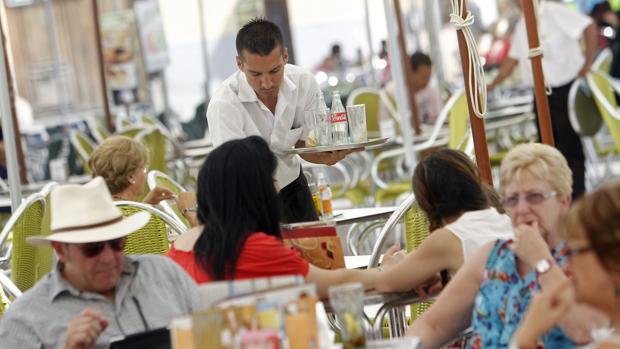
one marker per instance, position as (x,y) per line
(326,197)
(323,122)
(340,126)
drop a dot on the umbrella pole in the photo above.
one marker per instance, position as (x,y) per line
(8,119)
(104,84)
(542,103)
(477,124)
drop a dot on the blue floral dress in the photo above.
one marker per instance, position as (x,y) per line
(503,298)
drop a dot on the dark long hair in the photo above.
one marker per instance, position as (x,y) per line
(447,183)
(236,198)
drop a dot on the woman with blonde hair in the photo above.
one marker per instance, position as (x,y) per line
(123,162)
(492,290)
(592,231)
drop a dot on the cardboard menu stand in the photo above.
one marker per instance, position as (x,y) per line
(318,244)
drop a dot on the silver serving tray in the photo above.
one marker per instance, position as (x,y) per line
(323,148)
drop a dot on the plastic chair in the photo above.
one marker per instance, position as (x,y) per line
(370,98)
(155,178)
(153,238)
(417,229)
(28,263)
(603,60)
(162,148)
(603,91)
(84,147)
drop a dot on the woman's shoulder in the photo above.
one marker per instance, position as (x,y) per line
(186,241)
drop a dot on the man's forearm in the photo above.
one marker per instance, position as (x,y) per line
(505,69)
(590,36)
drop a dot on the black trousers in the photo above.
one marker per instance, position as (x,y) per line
(567,141)
(296,202)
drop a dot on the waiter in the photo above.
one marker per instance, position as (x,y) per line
(268,97)
(561,30)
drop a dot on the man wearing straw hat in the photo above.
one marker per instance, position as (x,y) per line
(95,292)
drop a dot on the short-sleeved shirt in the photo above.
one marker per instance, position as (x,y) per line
(235,112)
(504,297)
(151,291)
(560,30)
(262,255)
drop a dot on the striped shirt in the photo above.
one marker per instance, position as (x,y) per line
(150,292)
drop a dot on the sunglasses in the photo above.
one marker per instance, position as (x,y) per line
(532,198)
(575,251)
(94,249)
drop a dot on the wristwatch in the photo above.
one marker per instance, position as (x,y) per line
(189,209)
(543,266)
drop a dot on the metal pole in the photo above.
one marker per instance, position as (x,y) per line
(407,70)
(477,124)
(401,88)
(433,27)
(203,49)
(10,145)
(371,53)
(542,103)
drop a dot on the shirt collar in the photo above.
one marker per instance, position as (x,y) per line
(247,93)
(60,285)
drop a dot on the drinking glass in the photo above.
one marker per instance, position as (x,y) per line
(322,127)
(312,139)
(357,123)
(347,301)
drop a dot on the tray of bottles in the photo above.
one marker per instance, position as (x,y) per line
(373,142)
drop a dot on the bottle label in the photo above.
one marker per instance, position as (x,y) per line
(338,117)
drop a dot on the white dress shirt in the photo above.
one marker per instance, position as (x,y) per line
(560,30)
(236,112)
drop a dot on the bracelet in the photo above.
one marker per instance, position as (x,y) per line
(189,209)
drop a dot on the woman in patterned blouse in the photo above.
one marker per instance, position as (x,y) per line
(491,292)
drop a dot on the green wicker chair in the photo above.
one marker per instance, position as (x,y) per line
(28,263)
(84,147)
(153,238)
(416,231)
(155,178)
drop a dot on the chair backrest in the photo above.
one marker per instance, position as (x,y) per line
(603,60)
(28,263)
(153,238)
(155,178)
(370,98)
(603,91)
(458,120)
(417,229)
(583,112)
(84,147)
(132,131)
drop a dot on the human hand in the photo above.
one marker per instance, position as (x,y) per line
(544,312)
(332,157)
(529,245)
(158,194)
(84,329)
(585,69)
(392,256)
(186,200)
(429,287)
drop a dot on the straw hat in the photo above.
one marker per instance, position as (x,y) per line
(86,213)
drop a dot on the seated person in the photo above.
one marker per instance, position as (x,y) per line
(95,292)
(237,197)
(123,163)
(592,230)
(449,189)
(492,290)
(427,96)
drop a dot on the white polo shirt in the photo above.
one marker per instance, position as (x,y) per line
(560,30)
(236,112)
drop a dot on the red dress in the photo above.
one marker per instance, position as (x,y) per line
(262,256)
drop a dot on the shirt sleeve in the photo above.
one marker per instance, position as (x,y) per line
(187,286)
(15,333)
(518,41)
(225,122)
